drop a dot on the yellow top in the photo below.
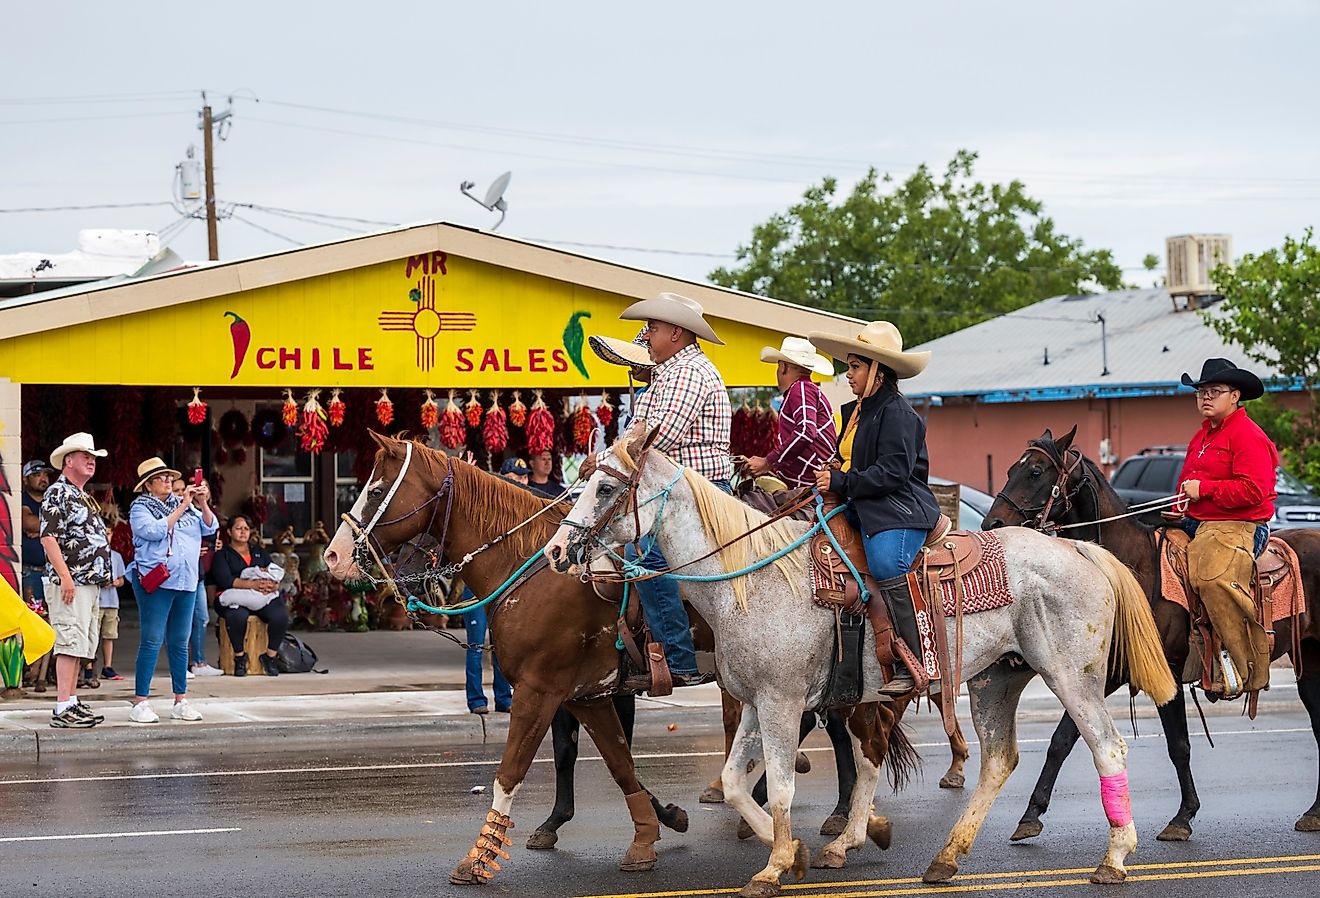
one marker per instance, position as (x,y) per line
(17,617)
(846,448)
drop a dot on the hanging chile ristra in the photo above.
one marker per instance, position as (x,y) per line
(290,409)
(313,430)
(473,410)
(495,433)
(517,411)
(384,409)
(196,407)
(584,426)
(241,336)
(453,426)
(540,427)
(430,411)
(605,411)
(335,409)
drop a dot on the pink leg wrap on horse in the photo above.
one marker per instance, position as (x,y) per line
(1114,796)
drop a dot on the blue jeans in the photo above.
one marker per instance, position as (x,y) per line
(1261,538)
(890,553)
(166,616)
(475,621)
(197,641)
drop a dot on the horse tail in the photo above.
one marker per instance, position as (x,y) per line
(1137,644)
(903,759)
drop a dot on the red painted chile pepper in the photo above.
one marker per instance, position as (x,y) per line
(241,334)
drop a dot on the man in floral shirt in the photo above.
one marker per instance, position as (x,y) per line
(77,550)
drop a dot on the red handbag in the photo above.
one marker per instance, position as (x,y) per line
(153,578)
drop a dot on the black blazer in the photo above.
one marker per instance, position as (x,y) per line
(887,481)
(228,566)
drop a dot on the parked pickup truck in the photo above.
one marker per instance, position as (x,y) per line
(1153,473)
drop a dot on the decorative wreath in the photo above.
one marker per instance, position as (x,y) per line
(268,428)
(233,427)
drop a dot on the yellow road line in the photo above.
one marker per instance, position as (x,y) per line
(956,886)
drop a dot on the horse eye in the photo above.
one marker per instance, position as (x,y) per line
(377,491)
(1036,472)
(605,489)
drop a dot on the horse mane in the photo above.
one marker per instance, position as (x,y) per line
(725,518)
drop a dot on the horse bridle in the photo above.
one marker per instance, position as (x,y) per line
(1039,517)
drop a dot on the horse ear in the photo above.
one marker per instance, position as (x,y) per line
(650,437)
(1064,443)
(1047,436)
(388,444)
(635,436)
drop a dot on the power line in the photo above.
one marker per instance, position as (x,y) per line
(253,224)
(141,97)
(93,118)
(633,249)
(82,208)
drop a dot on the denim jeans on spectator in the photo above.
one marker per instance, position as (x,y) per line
(201,617)
(166,616)
(475,622)
(890,553)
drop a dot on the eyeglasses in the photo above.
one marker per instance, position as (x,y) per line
(1212,393)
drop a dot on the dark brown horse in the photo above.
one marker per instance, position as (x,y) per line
(556,649)
(1083,495)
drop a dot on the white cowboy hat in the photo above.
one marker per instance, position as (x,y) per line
(150,468)
(800,352)
(879,341)
(629,353)
(75,442)
(673,309)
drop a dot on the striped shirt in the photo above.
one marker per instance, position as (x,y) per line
(807,437)
(687,399)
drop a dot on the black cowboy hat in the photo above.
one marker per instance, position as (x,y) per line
(1222,371)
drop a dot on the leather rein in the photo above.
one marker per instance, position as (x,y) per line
(1061,493)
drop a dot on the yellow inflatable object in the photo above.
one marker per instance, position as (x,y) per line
(17,617)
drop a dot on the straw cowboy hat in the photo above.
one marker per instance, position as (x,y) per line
(150,468)
(879,341)
(1222,371)
(673,309)
(75,442)
(800,352)
(629,353)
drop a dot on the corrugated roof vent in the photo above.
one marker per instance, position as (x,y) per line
(1191,258)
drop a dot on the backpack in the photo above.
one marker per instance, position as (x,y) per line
(295,656)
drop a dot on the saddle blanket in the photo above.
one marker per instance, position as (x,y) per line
(1287,594)
(985,587)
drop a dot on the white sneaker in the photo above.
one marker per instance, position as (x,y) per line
(185,711)
(142,713)
(206,670)
(191,675)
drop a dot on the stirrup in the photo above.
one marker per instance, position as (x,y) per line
(899,686)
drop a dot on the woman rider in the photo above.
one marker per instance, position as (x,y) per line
(1229,477)
(884,468)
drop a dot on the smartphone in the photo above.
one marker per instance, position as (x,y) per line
(197,477)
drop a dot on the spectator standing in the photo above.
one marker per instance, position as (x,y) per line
(109,611)
(542,479)
(77,549)
(197,666)
(474,620)
(257,596)
(36,477)
(167,531)
(514,469)
(807,439)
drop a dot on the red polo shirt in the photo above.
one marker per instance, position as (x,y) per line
(1237,466)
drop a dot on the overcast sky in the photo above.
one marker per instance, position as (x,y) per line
(675,126)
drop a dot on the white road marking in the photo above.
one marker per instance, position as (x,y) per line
(148,832)
(435,765)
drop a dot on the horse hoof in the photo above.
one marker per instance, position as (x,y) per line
(939,871)
(745,830)
(712,796)
(1307,823)
(1027,829)
(826,859)
(542,839)
(800,861)
(639,859)
(675,818)
(1107,875)
(462,875)
(879,831)
(952,781)
(802,764)
(759,888)
(834,825)
(1175,832)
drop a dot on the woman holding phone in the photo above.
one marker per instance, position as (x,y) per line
(167,541)
(197,666)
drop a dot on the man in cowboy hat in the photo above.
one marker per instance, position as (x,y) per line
(77,548)
(688,402)
(1229,476)
(807,438)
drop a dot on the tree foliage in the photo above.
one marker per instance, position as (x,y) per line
(933,254)
(1271,309)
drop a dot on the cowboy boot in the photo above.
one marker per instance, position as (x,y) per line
(897,595)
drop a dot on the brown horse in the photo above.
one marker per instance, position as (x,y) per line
(1083,495)
(557,649)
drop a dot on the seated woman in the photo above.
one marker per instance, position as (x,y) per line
(242,591)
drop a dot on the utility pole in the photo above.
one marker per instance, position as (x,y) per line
(208,164)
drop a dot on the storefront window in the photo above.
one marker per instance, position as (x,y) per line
(346,485)
(286,481)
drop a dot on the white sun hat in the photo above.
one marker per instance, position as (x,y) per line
(798,351)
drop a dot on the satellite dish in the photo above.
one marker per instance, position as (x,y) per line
(494,200)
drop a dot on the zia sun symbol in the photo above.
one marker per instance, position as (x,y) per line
(425,321)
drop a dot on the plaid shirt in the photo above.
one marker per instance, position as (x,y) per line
(807,438)
(688,400)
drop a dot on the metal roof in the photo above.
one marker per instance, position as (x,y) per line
(1147,346)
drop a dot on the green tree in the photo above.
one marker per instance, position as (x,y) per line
(1271,309)
(1150,262)
(933,254)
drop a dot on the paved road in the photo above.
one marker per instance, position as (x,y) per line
(359,818)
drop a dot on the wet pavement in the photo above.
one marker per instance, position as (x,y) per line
(245,814)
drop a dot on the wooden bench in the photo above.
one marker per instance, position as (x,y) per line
(254,644)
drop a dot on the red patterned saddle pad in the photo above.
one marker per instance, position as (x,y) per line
(985,587)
